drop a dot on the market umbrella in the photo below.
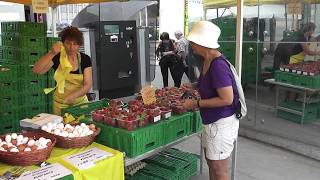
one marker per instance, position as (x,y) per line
(110,11)
(60,2)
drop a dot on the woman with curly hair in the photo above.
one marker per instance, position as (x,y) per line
(73,70)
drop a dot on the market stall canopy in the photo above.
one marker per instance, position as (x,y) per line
(61,2)
(212,4)
(110,11)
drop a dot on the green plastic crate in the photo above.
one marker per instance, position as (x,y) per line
(13,55)
(10,100)
(32,98)
(29,111)
(86,108)
(25,72)
(307,81)
(24,42)
(133,143)
(310,114)
(24,28)
(158,172)
(33,85)
(285,77)
(197,122)
(8,73)
(8,87)
(9,126)
(177,127)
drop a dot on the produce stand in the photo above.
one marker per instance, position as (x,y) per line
(307,92)
(111,167)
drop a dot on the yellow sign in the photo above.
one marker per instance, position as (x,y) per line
(148,94)
(40,6)
(295,8)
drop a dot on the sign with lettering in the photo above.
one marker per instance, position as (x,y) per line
(295,8)
(87,159)
(53,171)
(40,6)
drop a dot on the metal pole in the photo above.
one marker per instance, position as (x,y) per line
(146,14)
(140,19)
(68,14)
(54,21)
(238,67)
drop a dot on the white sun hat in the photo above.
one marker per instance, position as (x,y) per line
(205,33)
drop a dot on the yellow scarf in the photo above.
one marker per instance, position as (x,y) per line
(61,73)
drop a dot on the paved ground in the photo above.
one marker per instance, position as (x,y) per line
(258,161)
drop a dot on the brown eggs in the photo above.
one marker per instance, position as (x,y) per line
(92,127)
(21,147)
(5,146)
(14,142)
(34,148)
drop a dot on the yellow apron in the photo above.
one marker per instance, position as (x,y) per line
(297,58)
(66,83)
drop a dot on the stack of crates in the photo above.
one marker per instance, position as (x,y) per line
(51,81)
(22,44)
(171,164)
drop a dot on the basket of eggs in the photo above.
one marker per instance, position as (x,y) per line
(72,136)
(25,149)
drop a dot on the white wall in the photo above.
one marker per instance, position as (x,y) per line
(171,16)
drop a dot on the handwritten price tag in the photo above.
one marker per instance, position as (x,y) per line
(53,171)
(87,159)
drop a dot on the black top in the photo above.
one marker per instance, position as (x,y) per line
(165,46)
(297,48)
(85,62)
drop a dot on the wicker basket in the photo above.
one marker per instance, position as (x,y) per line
(31,157)
(75,142)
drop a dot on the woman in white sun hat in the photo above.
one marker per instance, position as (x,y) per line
(219,99)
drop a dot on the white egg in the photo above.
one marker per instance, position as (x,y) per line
(41,147)
(8,138)
(89,133)
(60,126)
(3,143)
(25,140)
(83,125)
(2,149)
(44,128)
(85,130)
(70,135)
(19,142)
(14,135)
(77,127)
(0,140)
(14,150)
(10,144)
(43,141)
(54,125)
(31,142)
(83,134)
(80,130)
(20,138)
(75,133)
(57,132)
(50,124)
(64,134)
(27,149)
(49,130)
(48,140)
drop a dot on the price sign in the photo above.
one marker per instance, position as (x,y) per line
(148,94)
(53,171)
(87,159)
(295,8)
(40,6)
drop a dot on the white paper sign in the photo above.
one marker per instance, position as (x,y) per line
(157,118)
(167,115)
(53,171)
(40,6)
(87,159)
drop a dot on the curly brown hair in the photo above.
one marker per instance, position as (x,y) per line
(73,34)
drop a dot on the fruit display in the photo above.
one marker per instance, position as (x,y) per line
(68,130)
(306,68)
(136,114)
(18,143)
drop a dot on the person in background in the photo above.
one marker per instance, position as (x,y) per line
(169,60)
(182,50)
(73,70)
(301,48)
(219,99)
